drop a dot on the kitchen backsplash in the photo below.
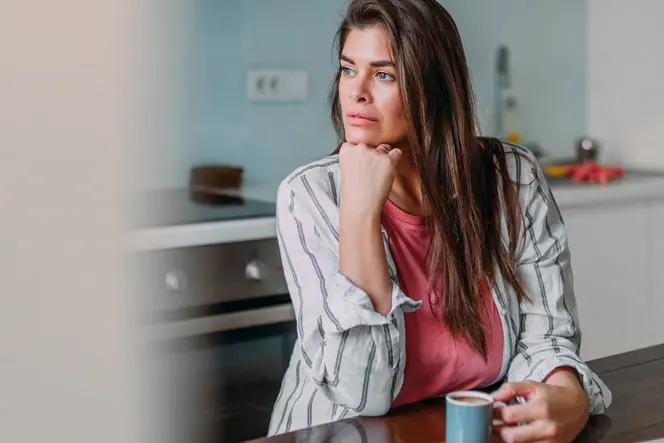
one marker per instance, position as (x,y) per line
(224,39)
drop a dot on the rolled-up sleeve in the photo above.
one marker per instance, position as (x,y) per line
(550,335)
(350,351)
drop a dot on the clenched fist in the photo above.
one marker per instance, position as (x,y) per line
(367,174)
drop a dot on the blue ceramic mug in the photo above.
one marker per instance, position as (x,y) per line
(469,417)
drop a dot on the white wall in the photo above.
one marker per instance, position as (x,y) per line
(626,80)
(162,157)
(68,112)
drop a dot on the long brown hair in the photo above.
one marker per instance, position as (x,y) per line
(464,178)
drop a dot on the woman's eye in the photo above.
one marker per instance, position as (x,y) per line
(346,70)
(384,76)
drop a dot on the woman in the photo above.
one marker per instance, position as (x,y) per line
(422,259)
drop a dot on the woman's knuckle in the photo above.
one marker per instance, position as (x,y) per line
(509,388)
(551,430)
(545,410)
(508,437)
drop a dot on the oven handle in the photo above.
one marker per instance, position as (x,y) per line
(219,323)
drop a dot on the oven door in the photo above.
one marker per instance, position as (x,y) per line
(218,327)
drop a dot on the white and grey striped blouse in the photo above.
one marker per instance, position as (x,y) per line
(349,360)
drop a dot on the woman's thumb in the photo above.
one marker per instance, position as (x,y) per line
(395,153)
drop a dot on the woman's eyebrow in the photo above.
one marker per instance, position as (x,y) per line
(376,63)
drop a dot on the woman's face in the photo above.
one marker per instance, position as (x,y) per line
(370,100)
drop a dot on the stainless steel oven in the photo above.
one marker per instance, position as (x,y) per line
(214,288)
(218,328)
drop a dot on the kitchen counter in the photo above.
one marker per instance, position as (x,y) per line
(635,185)
(200,233)
(639,185)
(636,380)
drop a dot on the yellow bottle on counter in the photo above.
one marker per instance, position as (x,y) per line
(512,132)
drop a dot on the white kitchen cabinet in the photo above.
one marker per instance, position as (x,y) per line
(656,218)
(609,251)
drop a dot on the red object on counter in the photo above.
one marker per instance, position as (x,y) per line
(593,173)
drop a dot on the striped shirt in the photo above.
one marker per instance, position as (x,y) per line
(349,360)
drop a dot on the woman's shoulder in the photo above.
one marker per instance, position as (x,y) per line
(521,164)
(315,181)
(314,171)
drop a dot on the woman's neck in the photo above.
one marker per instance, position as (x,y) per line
(407,190)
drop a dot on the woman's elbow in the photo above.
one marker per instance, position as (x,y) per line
(364,402)
(375,410)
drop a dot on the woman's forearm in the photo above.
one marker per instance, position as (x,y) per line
(362,257)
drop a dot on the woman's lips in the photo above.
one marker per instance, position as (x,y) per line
(357,119)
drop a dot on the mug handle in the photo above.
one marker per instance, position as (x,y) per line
(497,422)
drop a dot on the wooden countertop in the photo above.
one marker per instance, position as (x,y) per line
(637,413)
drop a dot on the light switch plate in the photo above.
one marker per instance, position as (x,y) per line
(277,85)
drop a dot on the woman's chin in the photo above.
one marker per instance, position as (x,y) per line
(356,137)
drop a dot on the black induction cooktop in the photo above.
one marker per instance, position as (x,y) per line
(177,207)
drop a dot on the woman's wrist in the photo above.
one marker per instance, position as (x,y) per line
(567,377)
(360,213)
(564,376)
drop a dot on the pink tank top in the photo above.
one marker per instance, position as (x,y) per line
(436,364)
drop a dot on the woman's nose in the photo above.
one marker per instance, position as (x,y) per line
(359,92)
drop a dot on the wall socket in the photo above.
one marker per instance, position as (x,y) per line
(277,85)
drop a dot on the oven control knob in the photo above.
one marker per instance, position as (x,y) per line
(253,271)
(176,281)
